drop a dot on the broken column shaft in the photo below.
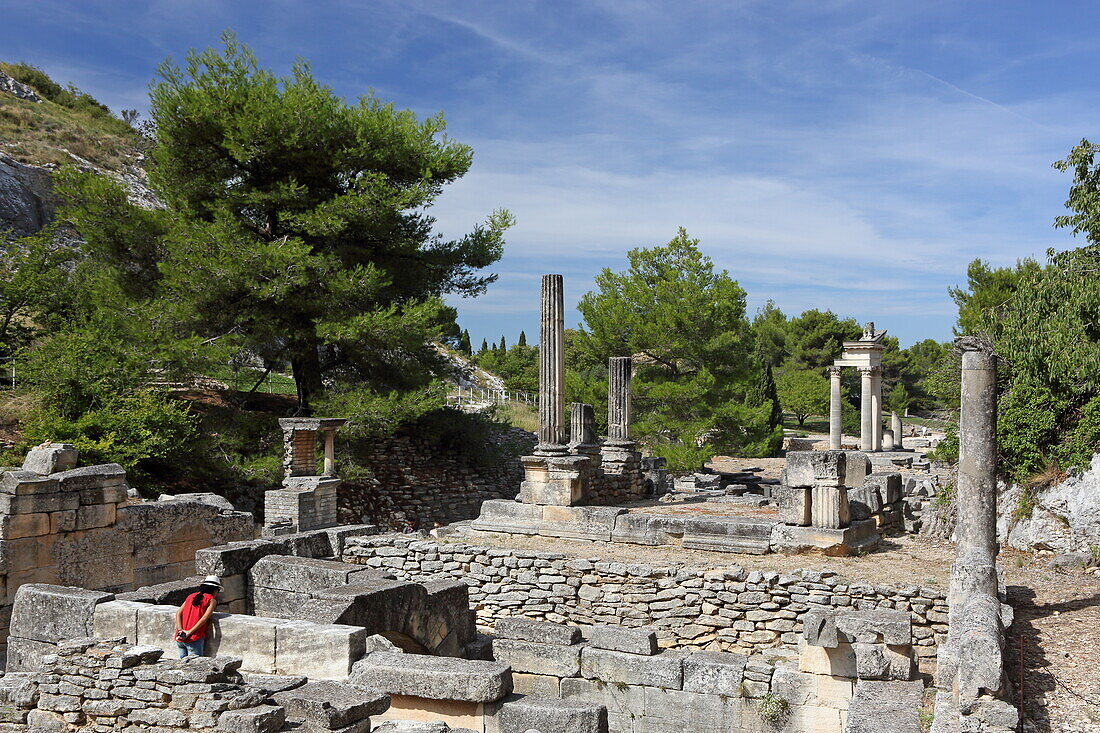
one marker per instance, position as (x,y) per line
(618,399)
(552,368)
(977,483)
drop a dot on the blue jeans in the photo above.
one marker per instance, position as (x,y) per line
(191,648)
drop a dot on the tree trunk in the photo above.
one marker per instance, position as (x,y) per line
(305,364)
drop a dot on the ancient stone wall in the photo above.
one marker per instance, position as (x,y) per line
(94,685)
(415,477)
(76,527)
(729,609)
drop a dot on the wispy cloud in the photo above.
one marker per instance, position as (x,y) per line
(834,154)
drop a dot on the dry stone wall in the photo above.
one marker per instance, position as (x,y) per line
(94,685)
(414,478)
(727,609)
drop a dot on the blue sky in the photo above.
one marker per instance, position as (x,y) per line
(845,155)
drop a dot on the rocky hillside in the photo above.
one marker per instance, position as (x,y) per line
(44,126)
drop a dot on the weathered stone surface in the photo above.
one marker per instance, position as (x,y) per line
(882,662)
(504,515)
(27,200)
(661,670)
(541,632)
(26,483)
(436,678)
(210,499)
(622,639)
(318,651)
(863,503)
(717,673)
(250,638)
(117,618)
(888,485)
(90,477)
(885,706)
(27,655)
(330,705)
(304,574)
(529,656)
(51,458)
(819,628)
(552,716)
(259,719)
(870,625)
(829,507)
(234,558)
(816,468)
(51,613)
(794,505)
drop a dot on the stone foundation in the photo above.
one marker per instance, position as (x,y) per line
(727,609)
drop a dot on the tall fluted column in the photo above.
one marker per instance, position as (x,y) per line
(552,368)
(835,423)
(618,398)
(977,482)
(866,428)
(876,407)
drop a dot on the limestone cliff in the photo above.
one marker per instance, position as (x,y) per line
(1065,517)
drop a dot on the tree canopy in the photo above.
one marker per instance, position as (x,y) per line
(695,372)
(297,223)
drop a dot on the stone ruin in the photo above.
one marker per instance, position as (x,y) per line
(344,628)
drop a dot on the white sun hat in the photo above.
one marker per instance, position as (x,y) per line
(212,580)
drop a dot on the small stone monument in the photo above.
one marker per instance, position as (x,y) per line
(308,498)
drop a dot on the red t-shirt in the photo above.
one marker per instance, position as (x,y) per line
(192,613)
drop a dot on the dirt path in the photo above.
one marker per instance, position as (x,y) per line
(1057,627)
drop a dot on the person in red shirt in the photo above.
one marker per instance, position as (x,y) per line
(192,616)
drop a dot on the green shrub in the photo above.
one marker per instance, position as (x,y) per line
(683,458)
(773,709)
(948,448)
(145,432)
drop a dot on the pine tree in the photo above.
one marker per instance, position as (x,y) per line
(298,224)
(484,347)
(464,346)
(503,346)
(522,338)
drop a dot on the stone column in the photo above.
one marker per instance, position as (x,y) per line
(866,425)
(618,399)
(552,369)
(836,429)
(888,440)
(895,425)
(582,419)
(876,407)
(976,531)
(330,453)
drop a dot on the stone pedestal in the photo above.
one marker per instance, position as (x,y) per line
(888,440)
(304,503)
(307,500)
(829,507)
(553,480)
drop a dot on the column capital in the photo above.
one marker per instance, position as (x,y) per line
(870,371)
(834,371)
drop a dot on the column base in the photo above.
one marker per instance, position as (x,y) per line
(553,480)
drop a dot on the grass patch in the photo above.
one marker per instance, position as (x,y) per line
(518,415)
(243,380)
(814,424)
(39,134)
